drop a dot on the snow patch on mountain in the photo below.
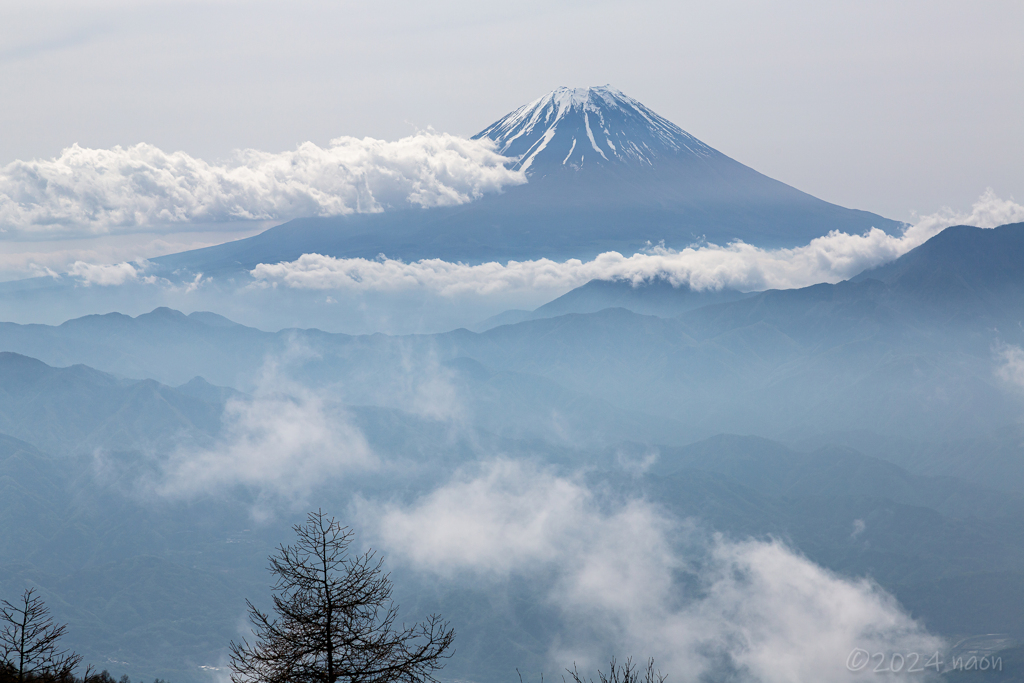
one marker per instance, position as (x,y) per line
(603,119)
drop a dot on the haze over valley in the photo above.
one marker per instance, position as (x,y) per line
(590,388)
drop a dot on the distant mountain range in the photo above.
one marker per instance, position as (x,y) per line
(906,351)
(77,409)
(865,422)
(605,173)
(652,297)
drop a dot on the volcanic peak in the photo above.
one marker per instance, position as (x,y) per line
(571,127)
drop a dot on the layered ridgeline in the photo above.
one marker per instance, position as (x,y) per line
(883,416)
(922,355)
(603,172)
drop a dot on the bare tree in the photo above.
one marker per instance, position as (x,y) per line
(29,641)
(628,673)
(335,619)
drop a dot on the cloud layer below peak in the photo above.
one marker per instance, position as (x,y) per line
(101,191)
(834,257)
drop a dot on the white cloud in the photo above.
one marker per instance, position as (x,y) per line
(99,191)
(832,258)
(89,274)
(1010,364)
(284,441)
(611,569)
(501,521)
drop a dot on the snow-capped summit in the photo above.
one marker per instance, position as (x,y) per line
(574,127)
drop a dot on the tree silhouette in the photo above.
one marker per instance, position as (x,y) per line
(29,641)
(627,673)
(335,619)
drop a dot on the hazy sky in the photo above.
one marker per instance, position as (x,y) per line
(888,106)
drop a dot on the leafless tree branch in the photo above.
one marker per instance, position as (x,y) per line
(29,641)
(335,619)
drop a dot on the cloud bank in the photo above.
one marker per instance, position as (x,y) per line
(101,191)
(754,608)
(832,258)
(283,441)
(116,274)
(90,274)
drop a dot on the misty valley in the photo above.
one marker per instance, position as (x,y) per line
(783,441)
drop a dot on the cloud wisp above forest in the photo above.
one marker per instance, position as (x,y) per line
(627,577)
(282,441)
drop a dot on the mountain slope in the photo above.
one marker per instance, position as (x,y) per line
(654,297)
(605,173)
(77,409)
(962,271)
(966,279)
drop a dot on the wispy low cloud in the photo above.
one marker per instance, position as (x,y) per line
(100,191)
(754,609)
(1010,364)
(832,258)
(283,441)
(89,274)
(84,274)
(52,257)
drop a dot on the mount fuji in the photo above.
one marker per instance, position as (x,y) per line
(604,173)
